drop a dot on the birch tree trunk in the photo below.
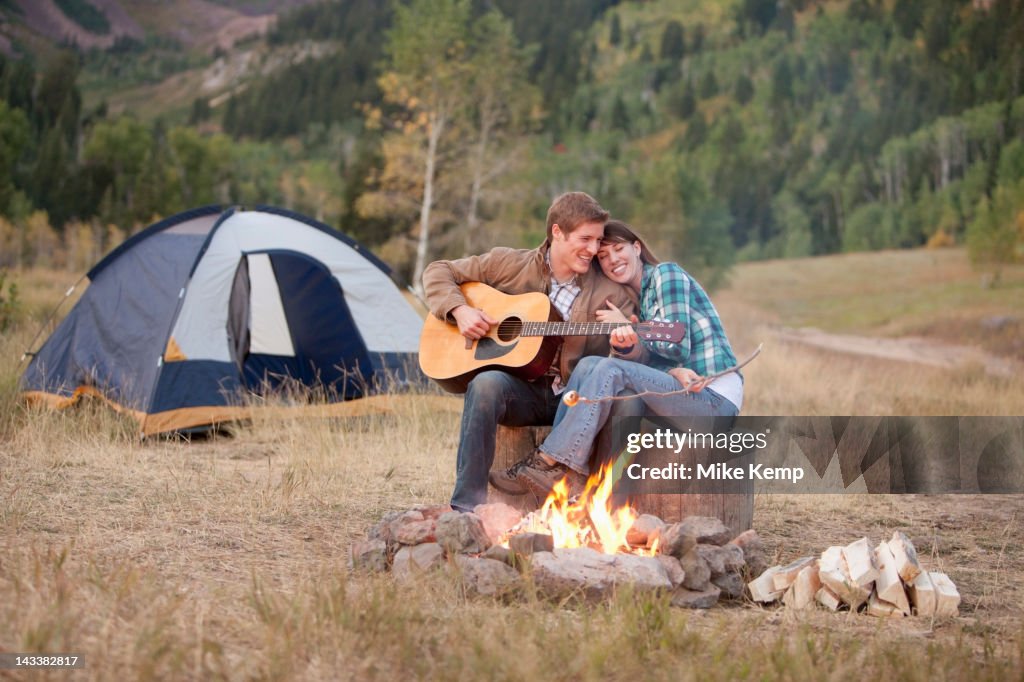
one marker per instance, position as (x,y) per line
(437,124)
(476,188)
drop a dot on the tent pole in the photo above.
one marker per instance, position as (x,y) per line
(48,320)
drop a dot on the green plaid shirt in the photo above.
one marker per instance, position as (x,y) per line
(669,294)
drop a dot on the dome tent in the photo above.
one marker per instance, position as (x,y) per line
(184,319)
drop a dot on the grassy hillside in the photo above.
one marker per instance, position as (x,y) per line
(927,292)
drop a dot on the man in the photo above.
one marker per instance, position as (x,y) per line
(562,268)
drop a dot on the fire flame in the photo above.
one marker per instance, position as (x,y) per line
(589,520)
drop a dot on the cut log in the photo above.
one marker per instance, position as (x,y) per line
(906,557)
(787,574)
(922,595)
(947,598)
(860,562)
(512,444)
(832,571)
(763,589)
(732,508)
(882,609)
(827,598)
(803,590)
(888,585)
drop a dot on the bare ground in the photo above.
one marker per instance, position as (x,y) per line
(915,350)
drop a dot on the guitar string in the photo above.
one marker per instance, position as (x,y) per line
(599,327)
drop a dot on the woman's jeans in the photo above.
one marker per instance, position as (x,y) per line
(575,429)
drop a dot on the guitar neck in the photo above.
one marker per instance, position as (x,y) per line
(569,328)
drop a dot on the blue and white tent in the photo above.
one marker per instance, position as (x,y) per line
(186,318)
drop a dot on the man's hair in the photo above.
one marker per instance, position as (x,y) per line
(572,209)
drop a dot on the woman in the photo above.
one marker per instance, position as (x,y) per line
(666,293)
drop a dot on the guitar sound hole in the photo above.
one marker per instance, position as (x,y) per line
(509,328)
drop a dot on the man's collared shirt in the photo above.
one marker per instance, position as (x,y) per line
(563,296)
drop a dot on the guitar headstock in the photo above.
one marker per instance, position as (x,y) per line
(672,332)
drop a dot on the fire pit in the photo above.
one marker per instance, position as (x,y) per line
(584,547)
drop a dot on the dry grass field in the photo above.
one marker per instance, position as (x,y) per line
(225,557)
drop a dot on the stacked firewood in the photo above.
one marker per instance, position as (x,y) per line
(885,581)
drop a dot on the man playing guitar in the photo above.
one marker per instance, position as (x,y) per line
(562,268)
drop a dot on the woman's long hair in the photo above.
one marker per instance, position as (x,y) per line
(618,232)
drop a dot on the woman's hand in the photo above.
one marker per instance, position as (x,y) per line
(613,314)
(689,379)
(623,339)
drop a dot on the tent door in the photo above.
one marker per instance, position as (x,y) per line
(288,322)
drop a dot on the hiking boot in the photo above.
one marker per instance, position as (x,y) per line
(540,477)
(507,481)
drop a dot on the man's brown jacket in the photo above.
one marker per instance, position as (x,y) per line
(521,271)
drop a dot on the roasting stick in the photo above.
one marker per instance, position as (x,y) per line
(572,398)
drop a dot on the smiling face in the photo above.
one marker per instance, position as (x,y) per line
(572,253)
(621,262)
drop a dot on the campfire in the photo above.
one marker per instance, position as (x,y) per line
(589,520)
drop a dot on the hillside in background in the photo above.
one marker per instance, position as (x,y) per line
(38,26)
(733,130)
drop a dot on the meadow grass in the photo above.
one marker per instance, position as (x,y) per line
(226,557)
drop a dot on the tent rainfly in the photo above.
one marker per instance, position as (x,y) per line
(186,319)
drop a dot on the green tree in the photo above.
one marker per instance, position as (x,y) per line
(615,32)
(619,117)
(200,111)
(708,85)
(673,44)
(782,83)
(424,78)
(696,131)
(201,167)
(503,104)
(705,247)
(683,101)
(996,235)
(697,39)
(14,137)
(744,90)
(755,15)
(119,147)
(57,101)
(50,174)
(907,15)
(795,226)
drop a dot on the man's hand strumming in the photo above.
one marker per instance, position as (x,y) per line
(473,322)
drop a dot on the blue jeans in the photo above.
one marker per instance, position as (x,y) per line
(576,427)
(494,398)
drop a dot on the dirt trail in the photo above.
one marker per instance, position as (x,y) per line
(907,349)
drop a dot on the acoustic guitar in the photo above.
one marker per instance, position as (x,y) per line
(524,342)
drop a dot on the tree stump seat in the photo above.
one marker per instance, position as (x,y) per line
(735,510)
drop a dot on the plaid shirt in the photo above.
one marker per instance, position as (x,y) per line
(562,296)
(669,294)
